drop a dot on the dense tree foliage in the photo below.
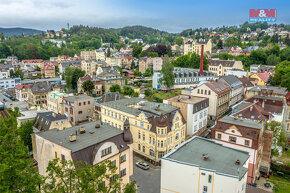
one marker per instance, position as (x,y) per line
(282,75)
(191,60)
(115,88)
(72,76)
(167,73)
(25,131)
(17,173)
(67,176)
(88,86)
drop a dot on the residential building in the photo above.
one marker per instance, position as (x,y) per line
(220,67)
(236,93)
(194,46)
(106,97)
(254,68)
(184,78)
(218,95)
(145,63)
(21,92)
(261,68)
(91,66)
(194,110)
(93,55)
(157,63)
(246,135)
(48,71)
(54,101)
(156,128)
(49,120)
(63,64)
(35,62)
(90,143)
(78,108)
(9,82)
(267,91)
(98,88)
(111,61)
(247,84)
(109,76)
(262,77)
(237,72)
(261,108)
(202,165)
(37,93)
(28,115)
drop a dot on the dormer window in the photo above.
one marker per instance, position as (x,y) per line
(106,151)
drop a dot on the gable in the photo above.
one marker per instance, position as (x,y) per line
(233,130)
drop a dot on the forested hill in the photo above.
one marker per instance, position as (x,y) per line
(19,31)
(113,34)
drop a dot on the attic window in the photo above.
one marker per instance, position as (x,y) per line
(233,131)
(252,116)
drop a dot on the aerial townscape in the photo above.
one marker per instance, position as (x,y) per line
(137,109)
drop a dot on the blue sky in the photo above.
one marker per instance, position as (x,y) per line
(169,15)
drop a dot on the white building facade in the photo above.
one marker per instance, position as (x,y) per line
(202,166)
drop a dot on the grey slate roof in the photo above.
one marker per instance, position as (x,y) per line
(41,87)
(148,108)
(276,90)
(241,122)
(221,159)
(91,137)
(43,120)
(232,81)
(109,96)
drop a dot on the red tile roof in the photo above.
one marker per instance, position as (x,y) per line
(246,81)
(33,61)
(86,77)
(19,86)
(217,86)
(264,76)
(48,67)
(253,112)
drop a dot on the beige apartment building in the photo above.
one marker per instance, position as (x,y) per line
(111,61)
(79,108)
(37,93)
(54,101)
(194,46)
(156,128)
(90,143)
(93,55)
(219,97)
(220,67)
(91,66)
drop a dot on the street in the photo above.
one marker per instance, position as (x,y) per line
(148,181)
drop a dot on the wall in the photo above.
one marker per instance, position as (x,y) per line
(182,178)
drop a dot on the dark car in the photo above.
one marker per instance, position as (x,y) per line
(142,165)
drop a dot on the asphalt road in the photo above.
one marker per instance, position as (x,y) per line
(148,181)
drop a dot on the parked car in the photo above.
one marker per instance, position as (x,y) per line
(142,165)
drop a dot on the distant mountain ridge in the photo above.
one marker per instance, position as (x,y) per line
(19,31)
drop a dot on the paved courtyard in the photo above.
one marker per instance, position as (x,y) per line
(148,181)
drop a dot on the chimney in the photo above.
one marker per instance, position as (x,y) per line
(263,104)
(238,162)
(98,125)
(189,96)
(201,61)
(72,137)
(82,130)
(205,156)
(251,108)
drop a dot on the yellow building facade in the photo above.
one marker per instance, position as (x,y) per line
(156,128)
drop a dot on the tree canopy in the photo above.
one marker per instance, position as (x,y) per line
(167,78)
(88,86)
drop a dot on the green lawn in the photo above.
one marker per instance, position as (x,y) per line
(282,185)
(285,158)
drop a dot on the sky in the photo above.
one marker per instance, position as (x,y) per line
(168,15)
